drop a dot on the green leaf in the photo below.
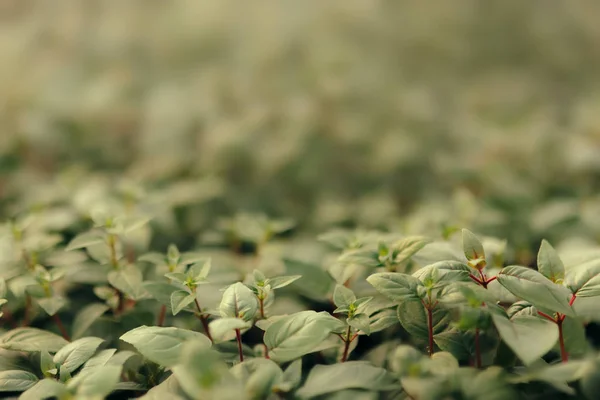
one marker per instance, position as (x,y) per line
(223,329)
(153,258)
(73,355)
(549,263)
(201,372)
(413,317)
(85,239)
(179,277)
(360,322)
(51,305)
(180,299)
(99,359)
(584,279)
(260,376)
(31,339)
(409,246)
(458,343)
(97,385)
(575,339)
(324,379)
(16,381)
(396,286)
(342,296)
(535,288)
(529,337)
(45,389)
(292,376)
(86,317)
(46,363)
(162,345)
(239,302)
(129,281)
(316,283)
(173,254)
(473,249)
(282,281)
(200,271)
(161,291)
(295,335)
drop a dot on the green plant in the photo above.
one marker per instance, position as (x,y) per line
(487,331)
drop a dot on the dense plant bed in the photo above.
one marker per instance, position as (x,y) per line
(379,316)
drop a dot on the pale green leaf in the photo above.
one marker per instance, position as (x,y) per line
(180,299)
(16,381)
(73,355)
(324,379)
(549,263)
(31,339)
(86,317)
(162,345)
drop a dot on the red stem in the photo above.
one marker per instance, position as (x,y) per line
(162,315)
(347,342)
(204,321)
(561,340)
(238,336)
(492,279)
(475,279)
(27,316)
(61,327)
(573,297)
(549,318)
(477,349)
(8,316)
(430,329)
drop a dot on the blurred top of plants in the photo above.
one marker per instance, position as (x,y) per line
(395,115)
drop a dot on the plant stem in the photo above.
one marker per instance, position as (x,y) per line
(266,352)
(204,320)
(549,318)
(8,316)
(347,342)
(27,315)
(162,315)
(477,349)
(430,329)
(61,327)
(473,277)
(483,280)
(238,336)
(561,340)
(261,303)
(112,246)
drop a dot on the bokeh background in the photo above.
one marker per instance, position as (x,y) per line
(405,116)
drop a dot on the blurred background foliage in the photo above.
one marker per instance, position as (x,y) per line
(404,116)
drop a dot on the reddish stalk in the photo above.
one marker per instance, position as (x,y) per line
(347,342)
(477,349)
(430,329)
(162,315)
(8,316)
(563,351)
(204,320)
(27,315)
(61,327)
(549,318)
(238,336)
(473,277)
